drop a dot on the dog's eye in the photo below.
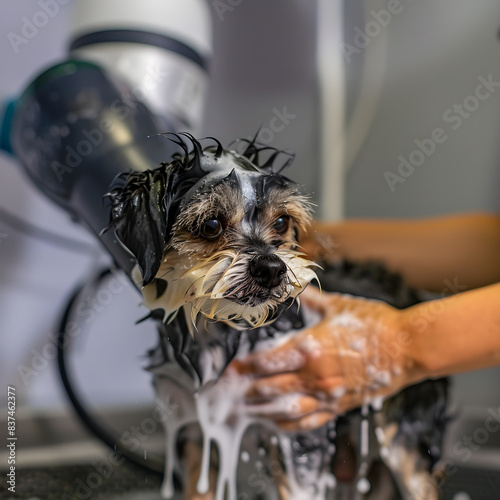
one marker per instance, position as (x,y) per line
(281,224)
(211,228)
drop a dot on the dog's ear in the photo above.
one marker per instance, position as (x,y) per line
(138,215)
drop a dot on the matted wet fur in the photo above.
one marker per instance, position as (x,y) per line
(215,234)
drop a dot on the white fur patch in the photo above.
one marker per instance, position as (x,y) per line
(200,287)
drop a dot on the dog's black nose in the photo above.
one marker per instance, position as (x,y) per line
(267,270)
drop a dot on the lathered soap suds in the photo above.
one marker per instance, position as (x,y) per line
(220,410)
(218,406)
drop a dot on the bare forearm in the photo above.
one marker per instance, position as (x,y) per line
(456,334)
(426,252)
(338,365)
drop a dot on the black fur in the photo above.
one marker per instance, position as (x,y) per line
(144,209)
(144,205)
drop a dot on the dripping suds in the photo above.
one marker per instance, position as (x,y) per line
(219,407)
(362,483)
(221,412)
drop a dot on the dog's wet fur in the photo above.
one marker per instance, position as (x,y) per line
(215,234)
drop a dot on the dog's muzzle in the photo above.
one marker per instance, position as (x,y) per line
(267,270)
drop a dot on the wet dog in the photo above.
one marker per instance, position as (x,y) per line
(215,234)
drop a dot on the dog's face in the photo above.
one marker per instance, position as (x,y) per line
(228,239)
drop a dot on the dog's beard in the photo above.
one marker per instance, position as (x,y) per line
(219,288)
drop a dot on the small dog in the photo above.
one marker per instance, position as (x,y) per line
(215,234)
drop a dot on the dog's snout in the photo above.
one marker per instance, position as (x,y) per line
(267,270)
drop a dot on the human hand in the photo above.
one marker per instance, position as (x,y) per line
(356,353)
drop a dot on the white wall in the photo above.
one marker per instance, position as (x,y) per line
(434,54)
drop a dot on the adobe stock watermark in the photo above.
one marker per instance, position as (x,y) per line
(221,7)
(30,27)
(279,121)
(261,480)
(462,452)
(120,110)
(270,475)
(453,117)
(376,371)
(326,248)
(379,21)
(421,319)
(86,312)
(470,443)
